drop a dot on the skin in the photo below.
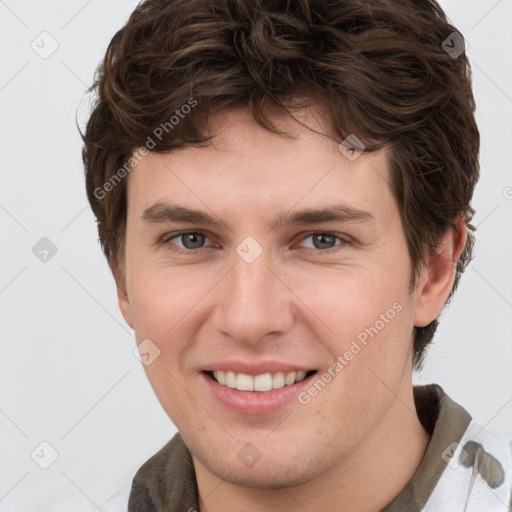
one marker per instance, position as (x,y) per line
(293,303)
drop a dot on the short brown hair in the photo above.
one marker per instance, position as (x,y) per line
(377,65)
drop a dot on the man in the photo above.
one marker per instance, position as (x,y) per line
(283,194)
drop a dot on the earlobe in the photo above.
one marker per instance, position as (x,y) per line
(438,275)
(124,305)
(122,295)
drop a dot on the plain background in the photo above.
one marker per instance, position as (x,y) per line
(68,373)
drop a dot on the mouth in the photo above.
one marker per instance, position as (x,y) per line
(262,383)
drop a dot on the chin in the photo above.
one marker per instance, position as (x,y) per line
(276,466)
(264,475)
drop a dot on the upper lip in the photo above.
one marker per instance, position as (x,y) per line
(257,368)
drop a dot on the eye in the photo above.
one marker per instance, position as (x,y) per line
(323,242)
(189,240)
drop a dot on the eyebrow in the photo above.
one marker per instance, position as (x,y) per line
(163,212)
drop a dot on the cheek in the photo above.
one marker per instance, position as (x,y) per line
(363,317)
(169,306)
(344,302)
(160,295)
(163,305)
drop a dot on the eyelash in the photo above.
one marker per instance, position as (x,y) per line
(167,239)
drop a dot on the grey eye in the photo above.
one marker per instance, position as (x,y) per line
(192,240)
(323,240)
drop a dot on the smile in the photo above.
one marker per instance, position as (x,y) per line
(259,383)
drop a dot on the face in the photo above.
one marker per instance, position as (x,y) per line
(275,264)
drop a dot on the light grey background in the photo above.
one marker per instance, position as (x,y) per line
(67,369)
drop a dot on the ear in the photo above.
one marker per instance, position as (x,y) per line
(122,295)
(438,275)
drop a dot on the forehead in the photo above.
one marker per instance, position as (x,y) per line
(253,171)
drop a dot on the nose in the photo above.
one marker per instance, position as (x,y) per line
(253,302)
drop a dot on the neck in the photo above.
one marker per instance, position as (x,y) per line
(367,480)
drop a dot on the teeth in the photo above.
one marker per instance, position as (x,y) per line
(230,379)
(278,380)
(290,378)
(261,383)
(244,382)
(220,377)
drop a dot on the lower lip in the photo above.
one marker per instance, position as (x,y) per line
(255,402)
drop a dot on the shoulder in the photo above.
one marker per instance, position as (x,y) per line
(157,462)
(478,473)
(164,481)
